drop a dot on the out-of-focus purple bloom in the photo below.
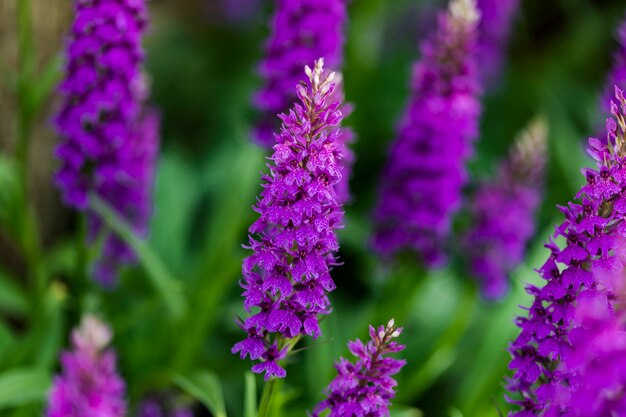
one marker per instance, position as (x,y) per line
(303,30)
(89,384)
(422,182)
(495,26)
(503,212)
(109,139)
(152,407)
(287,277)
(365,388)
(594,231)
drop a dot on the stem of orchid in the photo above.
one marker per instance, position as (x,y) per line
(269,390)
(266,398)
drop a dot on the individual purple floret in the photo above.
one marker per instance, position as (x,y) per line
(109,140)
(89,384)
(495,25)
(365,388)
(593,228)
(287,277)
(425,174)
(503,212)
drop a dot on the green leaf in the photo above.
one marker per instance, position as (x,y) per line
(22,387)
(206,388)
(250,401)
(169,287)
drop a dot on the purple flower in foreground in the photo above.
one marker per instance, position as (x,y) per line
(287,277)
(366,387)
(109,140)
(425,174)
(503,212)
(89,384)
(593,230)
(495,26)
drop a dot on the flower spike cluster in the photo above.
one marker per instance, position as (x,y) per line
(495,26)
(109,139)
(503,213)
(89,384)
(593,228)
(425,174)
(287,277)
(365,388)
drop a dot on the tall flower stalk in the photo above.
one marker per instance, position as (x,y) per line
(89,384)
(503,212)
(287,277)
(425,174)
(365,388)
(109,138)
(593,230)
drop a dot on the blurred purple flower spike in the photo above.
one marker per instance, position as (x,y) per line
(109,138)
(422,183)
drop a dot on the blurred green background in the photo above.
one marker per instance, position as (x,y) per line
(173,316)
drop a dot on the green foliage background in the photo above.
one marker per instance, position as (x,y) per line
(173,316)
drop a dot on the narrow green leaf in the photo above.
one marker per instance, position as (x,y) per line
(169,288)
(206,388)
(250,401)
(22,387)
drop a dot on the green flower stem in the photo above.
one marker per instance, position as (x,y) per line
(270,390)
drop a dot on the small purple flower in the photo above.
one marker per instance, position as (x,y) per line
(425,173)
(593,232)
(109,139)
(89,384)
(286,279)
(503,212)
(495,25)
(365,388)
